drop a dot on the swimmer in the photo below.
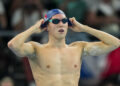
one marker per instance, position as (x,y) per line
(57,63)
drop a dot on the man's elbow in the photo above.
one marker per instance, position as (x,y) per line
(116,45)
(10,44)
(15,49)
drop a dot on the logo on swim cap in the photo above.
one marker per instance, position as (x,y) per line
(45,16)
(51,13)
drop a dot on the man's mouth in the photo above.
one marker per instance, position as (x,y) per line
(61,30)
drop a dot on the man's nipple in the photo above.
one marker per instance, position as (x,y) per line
(75,66)
(48,66)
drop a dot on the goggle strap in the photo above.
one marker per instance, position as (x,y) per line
(50,20)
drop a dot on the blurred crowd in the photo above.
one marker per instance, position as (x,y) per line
(18,15)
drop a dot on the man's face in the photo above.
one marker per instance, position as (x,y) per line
(7,83)
(58,30)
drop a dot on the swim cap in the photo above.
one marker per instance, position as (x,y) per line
(51,13)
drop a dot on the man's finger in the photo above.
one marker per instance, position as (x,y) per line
(41,21)
(73,20)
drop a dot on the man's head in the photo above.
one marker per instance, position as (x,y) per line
(56,22)
(7,81)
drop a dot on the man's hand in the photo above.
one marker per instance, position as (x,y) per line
(37,26)
(77,27)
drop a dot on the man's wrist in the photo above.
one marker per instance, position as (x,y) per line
(84,28)
(33,29)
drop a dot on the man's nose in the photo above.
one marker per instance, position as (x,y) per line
(60,23)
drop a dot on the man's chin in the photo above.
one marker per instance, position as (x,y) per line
(61,37)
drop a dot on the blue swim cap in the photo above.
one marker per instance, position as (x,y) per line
(51,13)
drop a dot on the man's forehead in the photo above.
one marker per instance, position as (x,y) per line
(59,16)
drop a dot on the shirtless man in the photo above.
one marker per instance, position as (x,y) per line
(56,63)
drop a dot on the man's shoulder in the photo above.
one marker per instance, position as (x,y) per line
(38,45)
(33,43)
(78,43)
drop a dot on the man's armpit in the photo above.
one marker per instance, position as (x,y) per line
(27,49)
(95,48)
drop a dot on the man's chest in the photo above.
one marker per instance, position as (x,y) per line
(64,60)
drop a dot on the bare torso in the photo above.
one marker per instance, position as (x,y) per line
(60,65)
(56,67)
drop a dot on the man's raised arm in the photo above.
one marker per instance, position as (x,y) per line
(18,45)
(107,42)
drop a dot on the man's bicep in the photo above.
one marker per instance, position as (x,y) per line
(27,49)
(96,48)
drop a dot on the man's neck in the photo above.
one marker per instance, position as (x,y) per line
(58,43)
